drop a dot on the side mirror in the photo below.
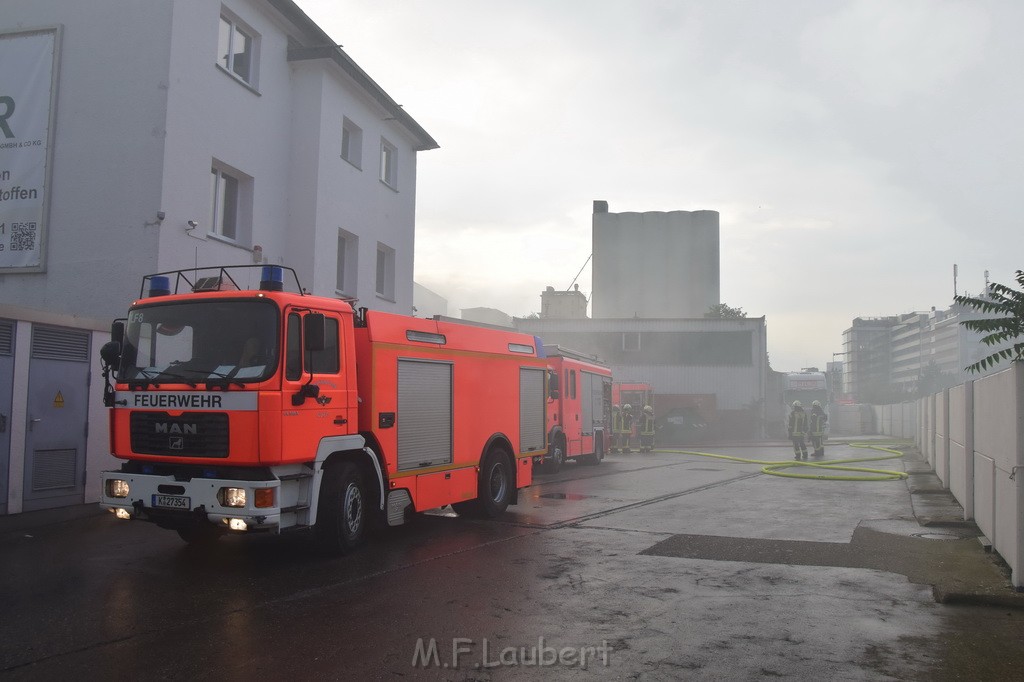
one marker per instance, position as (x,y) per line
(314,331)
(117,332)
(110,353)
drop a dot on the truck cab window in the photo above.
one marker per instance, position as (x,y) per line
(293,358)
(326,361)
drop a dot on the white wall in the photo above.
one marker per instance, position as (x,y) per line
(108,140)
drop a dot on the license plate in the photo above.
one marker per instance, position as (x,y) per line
(172,502)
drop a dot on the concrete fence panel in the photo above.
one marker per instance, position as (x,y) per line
(941,465)
(928,442)
(895,420)
(961,421)
(999,464)
(909,420)
(922,423)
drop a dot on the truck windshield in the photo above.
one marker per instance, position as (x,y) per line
(199,342)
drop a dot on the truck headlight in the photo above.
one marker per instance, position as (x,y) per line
(116,487)
(231,497)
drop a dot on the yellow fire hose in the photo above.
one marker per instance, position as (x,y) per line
(776,468)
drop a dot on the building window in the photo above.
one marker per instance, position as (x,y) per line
(630,341)
(385,272)
(236,49)
(348,250)
(388,164)
(231,201)
(352,143)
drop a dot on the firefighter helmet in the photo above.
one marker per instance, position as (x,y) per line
(648,409)
(627,406)
(797,403)
(816,403)
(615,407)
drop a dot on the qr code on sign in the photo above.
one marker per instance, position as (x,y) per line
(23,236)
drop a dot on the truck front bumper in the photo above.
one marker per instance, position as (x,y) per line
(174,504)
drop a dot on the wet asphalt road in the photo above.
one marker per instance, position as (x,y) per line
(658,566)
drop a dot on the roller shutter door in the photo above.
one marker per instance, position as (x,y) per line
(424,414)
(531,409)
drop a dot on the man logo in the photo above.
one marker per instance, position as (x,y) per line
(176,443)
(175,428)
(6,111)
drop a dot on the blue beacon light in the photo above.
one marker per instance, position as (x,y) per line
(159,285)
(272,278)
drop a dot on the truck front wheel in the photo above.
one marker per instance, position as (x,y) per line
(342,513)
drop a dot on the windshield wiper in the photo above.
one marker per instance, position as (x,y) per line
(167,376)
(224,380)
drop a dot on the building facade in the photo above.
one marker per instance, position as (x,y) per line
(181,133)
(903,357)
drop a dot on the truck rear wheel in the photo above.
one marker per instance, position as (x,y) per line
(597,456)
(341,516)
(554,464)
(496,482)
(494,487)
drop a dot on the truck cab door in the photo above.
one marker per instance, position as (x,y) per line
(316,394)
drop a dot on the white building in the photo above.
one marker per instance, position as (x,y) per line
(179,132)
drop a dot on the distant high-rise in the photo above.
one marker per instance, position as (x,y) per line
(654,264)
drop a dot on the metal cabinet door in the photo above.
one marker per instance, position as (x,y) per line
(58,409)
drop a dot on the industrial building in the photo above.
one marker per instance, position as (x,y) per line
(146,137)
(655,276)
(655,264)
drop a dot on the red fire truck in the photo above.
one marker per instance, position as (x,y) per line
(579,408)
(637,395)
(262,409)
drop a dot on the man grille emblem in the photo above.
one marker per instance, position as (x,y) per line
(176,443)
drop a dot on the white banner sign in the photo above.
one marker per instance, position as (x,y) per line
(27,62)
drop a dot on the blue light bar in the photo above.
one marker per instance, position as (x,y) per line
(272,278)
(159,285)
(541,353)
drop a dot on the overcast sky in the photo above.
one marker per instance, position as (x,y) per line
(855,150)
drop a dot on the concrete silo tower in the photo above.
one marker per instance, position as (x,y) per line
(656,264)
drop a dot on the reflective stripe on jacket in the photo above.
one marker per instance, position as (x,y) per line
(818,421)
(797,423)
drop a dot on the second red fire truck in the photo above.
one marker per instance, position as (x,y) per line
(579,408)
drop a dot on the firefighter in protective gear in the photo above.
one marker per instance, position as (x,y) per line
(627,427)
(817,421)
(647,429)
(616,428)
(797,430)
